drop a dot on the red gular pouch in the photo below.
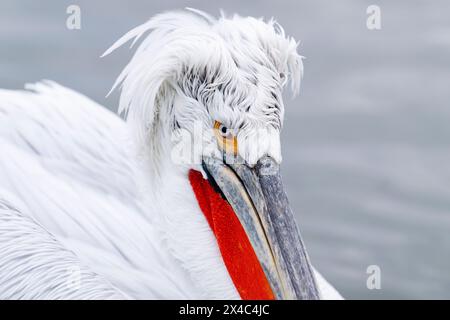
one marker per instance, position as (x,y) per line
(237,252)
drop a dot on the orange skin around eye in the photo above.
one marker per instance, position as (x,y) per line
(227,144)
(237,253)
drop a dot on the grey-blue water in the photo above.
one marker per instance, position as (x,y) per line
(366,144)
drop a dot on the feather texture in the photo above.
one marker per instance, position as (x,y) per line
(36,266)
(65,159)
(81,191)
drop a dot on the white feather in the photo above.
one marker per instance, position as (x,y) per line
(65,158)
(78,188)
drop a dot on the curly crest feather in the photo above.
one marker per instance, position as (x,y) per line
(239,62)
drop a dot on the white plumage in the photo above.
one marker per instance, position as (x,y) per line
(80,192)
(64,164)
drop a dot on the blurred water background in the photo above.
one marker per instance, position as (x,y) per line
(366,144)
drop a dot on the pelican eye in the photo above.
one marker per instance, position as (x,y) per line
(224,131)
(225,138)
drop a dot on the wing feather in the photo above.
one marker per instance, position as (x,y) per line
(65,158)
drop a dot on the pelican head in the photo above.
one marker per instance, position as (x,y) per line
(203,99)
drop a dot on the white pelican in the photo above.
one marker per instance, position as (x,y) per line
(88,213)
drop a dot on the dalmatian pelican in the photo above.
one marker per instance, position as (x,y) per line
(184,199)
